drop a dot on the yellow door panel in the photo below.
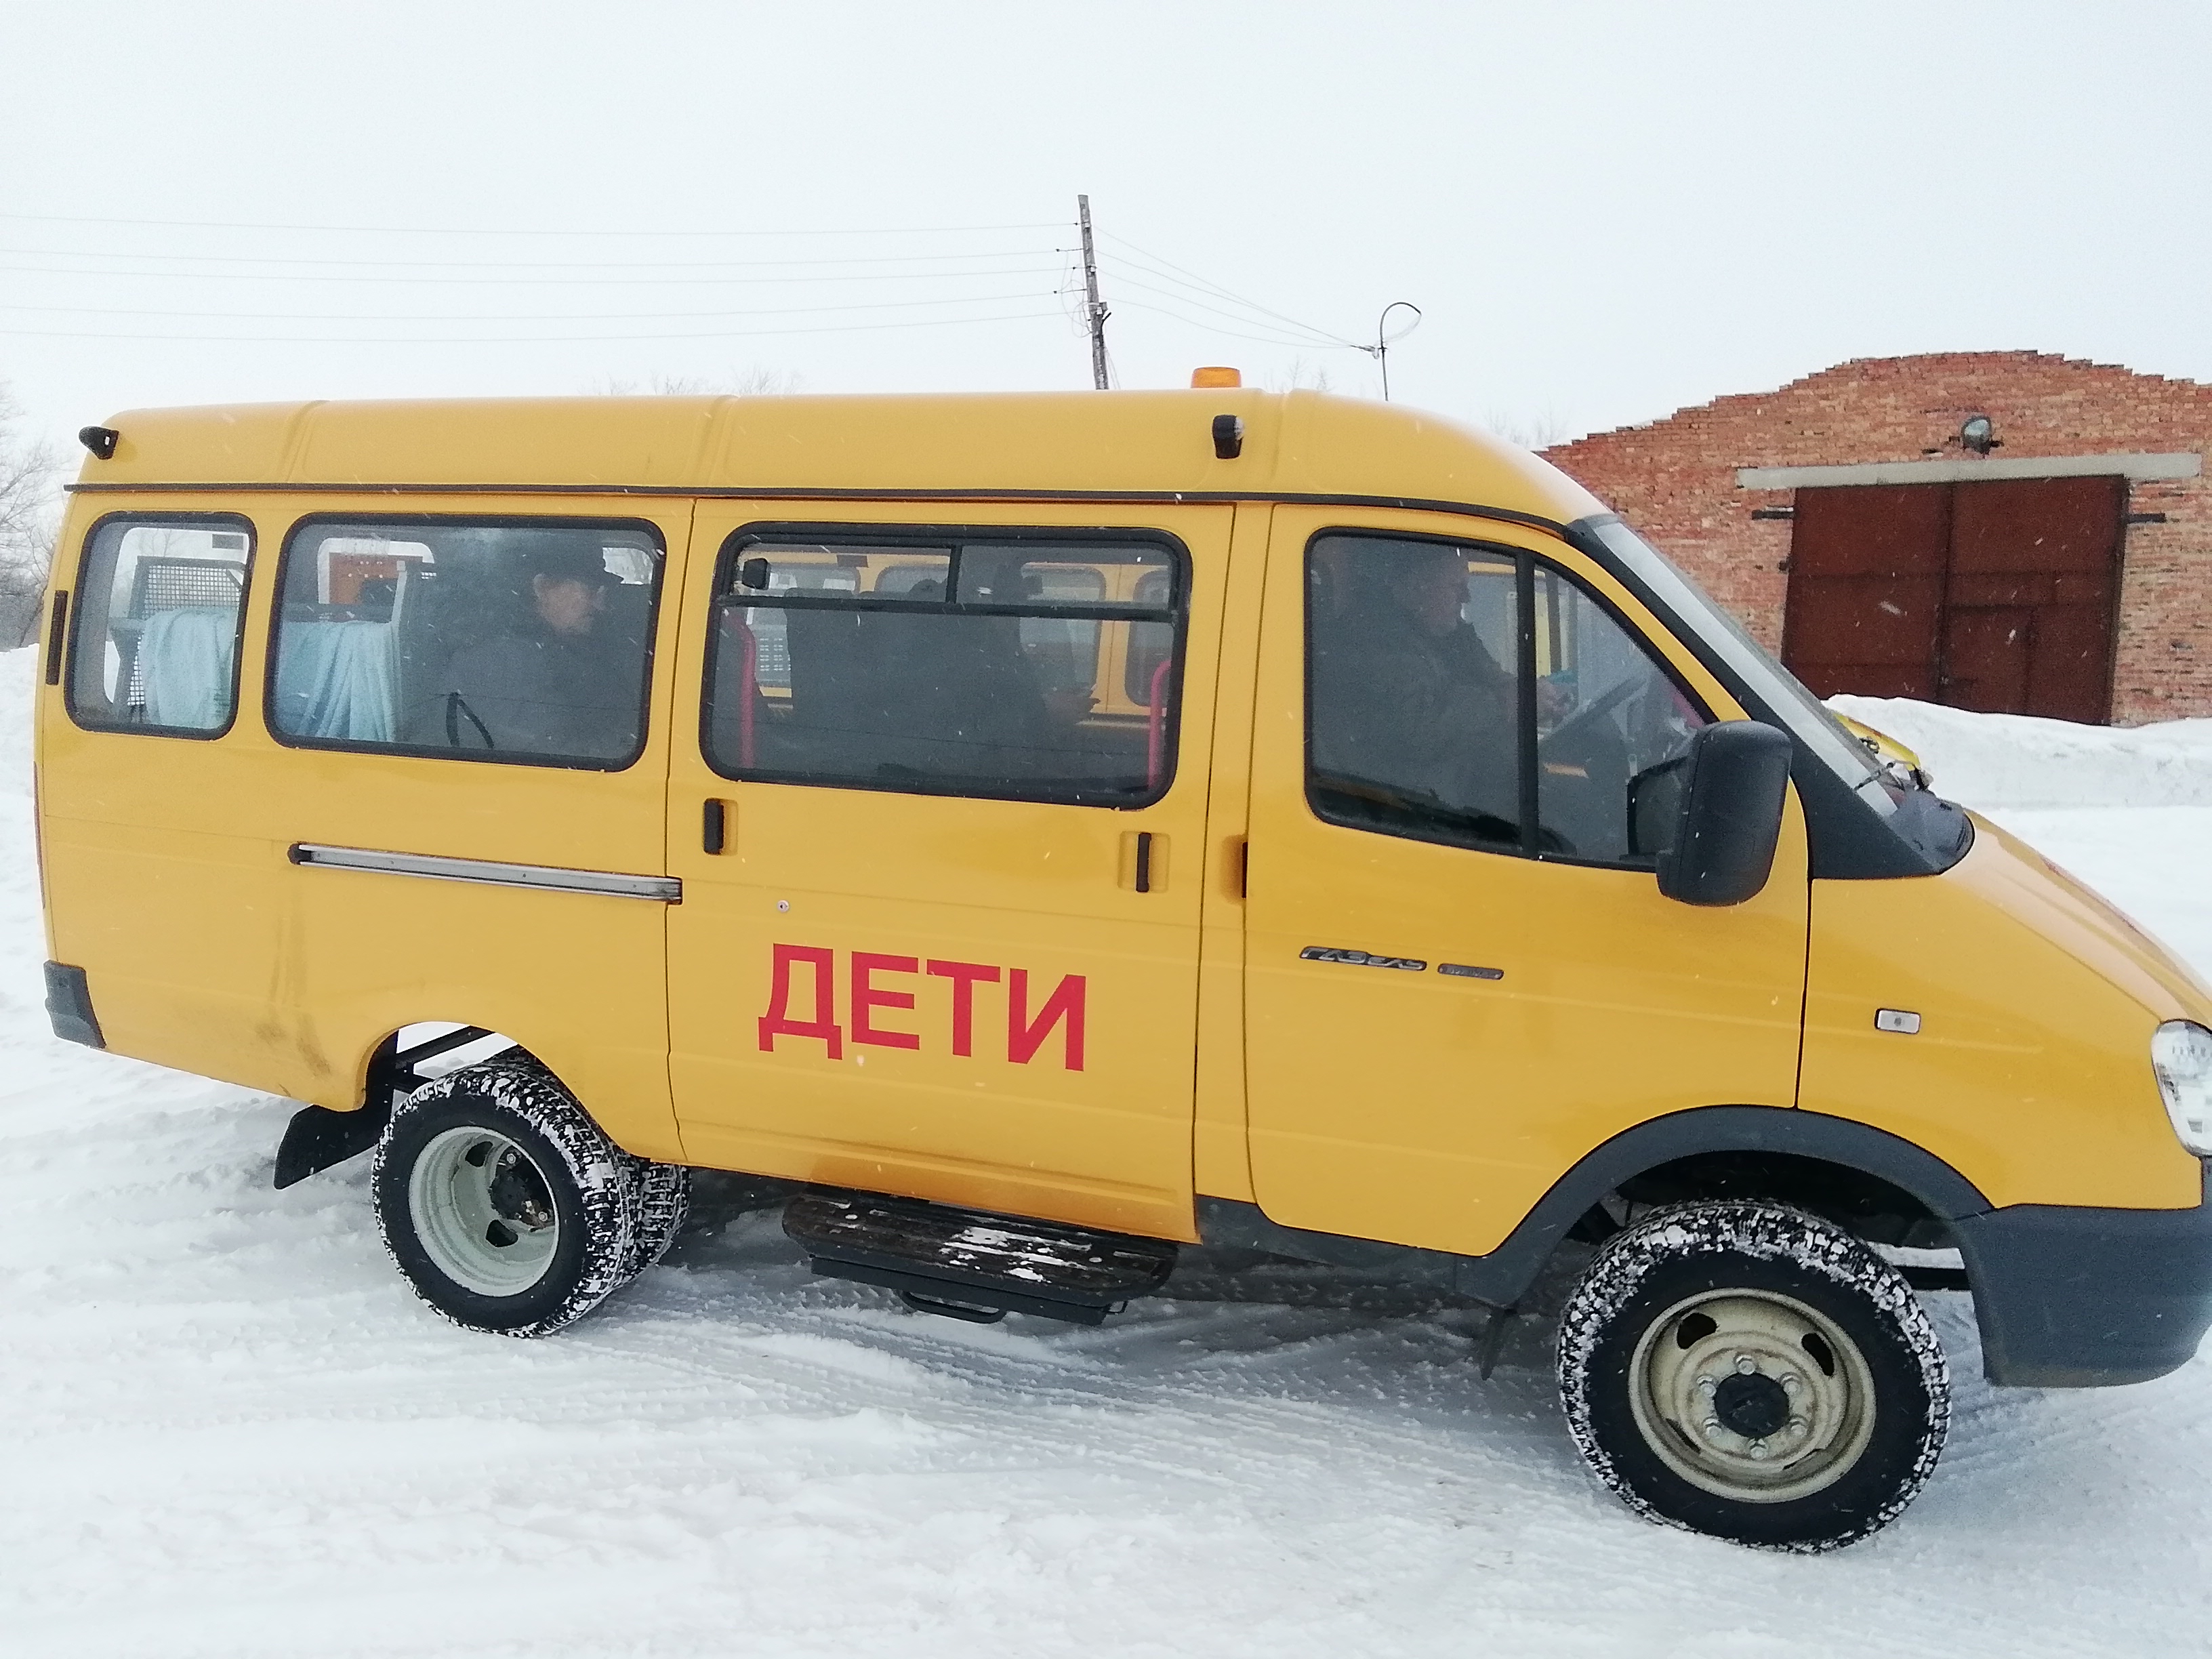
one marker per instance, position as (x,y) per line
(979,1000)
(1437,1032)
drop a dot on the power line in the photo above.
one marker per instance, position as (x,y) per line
(543,282)
(1227,293)
(1186,289)
(447,230)
(1259,316)
(1247,312)
(509,264)
(511,339)
(1323,342)
(540,317)
(1216,328)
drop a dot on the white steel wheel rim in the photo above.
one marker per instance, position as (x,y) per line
(482,1210)
(1752,1396)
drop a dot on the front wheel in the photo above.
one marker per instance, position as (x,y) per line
(1755,1373)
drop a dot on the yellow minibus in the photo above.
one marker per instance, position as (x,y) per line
(1033,833)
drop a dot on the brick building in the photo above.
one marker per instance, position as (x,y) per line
(1999,530)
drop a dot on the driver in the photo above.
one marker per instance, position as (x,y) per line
(1421,703)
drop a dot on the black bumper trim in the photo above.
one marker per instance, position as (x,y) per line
(2075,1298)
(69,1006)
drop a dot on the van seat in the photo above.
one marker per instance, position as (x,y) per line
(334,680)
(183,665)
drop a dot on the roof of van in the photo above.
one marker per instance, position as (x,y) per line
(1138,443)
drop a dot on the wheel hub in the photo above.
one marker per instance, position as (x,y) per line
(483,1212)
(1752,1394)
(1753,1407)
(517,1192)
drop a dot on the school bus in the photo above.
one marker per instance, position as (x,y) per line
(1035,834)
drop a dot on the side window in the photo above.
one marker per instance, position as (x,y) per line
(1435,671)
(1609,722)
(528,642)
(159,605)
(945,665)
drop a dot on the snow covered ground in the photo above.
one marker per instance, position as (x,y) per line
(230,1429)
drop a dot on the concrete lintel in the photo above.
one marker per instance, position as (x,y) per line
(2136,466)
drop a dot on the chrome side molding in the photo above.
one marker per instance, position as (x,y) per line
(608,884)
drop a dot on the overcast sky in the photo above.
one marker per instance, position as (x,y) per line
(1605,212)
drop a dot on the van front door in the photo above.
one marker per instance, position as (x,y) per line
(939,839)
(1461,974)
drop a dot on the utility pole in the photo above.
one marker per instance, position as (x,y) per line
(1094,308)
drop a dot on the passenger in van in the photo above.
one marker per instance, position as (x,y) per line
(1000,707)
(548,683)
(1406,695)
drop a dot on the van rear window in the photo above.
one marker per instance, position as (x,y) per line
(1020,666)
(159,605)
(523,642)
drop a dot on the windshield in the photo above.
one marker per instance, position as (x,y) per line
(1807,717)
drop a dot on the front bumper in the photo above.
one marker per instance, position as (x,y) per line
(2073,1298)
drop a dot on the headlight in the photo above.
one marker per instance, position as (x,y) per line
(2181,1056)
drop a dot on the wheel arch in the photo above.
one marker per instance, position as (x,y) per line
(1813,1159)
(317,1137)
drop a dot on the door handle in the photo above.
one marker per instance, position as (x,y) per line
(1144,861)
(714,826)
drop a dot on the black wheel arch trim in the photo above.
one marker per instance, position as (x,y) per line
(1783,1129)
(1503,1277)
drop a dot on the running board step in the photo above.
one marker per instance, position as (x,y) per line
(972,1265)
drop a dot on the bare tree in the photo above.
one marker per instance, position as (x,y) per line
(1537,431)
(27,525)
(754,382)
(1301,375)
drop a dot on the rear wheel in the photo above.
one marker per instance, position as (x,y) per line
(508,1208)
(663,1200)
(1755,1373)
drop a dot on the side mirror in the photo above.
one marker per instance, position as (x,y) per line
(1713,814)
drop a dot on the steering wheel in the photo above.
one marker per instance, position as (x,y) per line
(1578,724)
(457,710)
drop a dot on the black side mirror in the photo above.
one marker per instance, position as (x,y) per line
(1724,798)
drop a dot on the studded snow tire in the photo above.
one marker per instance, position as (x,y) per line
(1755,1373)
(508,1208)
(662,1196)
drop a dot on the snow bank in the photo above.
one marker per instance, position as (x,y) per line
(1991,761)
(18,672)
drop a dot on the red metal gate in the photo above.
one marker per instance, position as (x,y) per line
(1999,596)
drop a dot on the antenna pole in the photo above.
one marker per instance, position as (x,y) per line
(1380,352)
(1094,308)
